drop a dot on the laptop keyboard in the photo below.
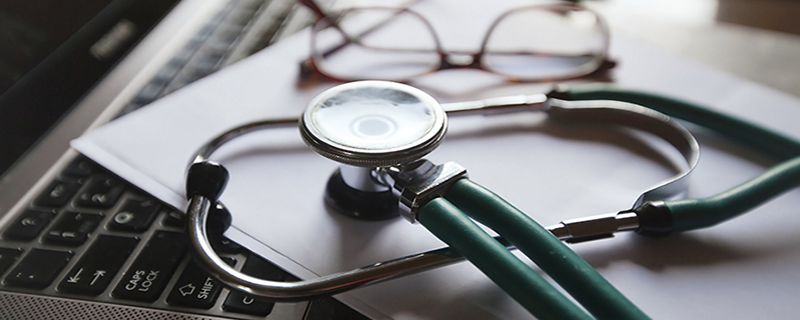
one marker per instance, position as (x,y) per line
(210,49)
(89,235)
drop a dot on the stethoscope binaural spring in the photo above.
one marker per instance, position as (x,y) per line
(380,130)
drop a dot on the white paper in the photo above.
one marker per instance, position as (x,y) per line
(745,268)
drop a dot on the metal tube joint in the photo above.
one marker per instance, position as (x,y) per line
(595,227)
(418,182)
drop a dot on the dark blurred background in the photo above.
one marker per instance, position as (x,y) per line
(777,15)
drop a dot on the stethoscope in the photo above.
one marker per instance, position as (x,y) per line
(380,131)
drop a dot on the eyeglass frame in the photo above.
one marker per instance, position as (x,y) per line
(309,68)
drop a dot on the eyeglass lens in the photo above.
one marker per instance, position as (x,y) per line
(379,44)
(529,43)
(545,42)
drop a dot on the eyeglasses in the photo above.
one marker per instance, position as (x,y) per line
(528,44)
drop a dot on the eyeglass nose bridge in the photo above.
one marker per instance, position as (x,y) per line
(460,60)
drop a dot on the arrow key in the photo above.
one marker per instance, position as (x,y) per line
(94,271)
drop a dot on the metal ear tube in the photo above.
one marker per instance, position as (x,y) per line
(395,170)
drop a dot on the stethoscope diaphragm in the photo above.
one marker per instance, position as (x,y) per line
(373,124)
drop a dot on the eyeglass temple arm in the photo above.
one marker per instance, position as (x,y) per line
(314,7)
(320,14)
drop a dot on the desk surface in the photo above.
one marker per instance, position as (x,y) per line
(709,273)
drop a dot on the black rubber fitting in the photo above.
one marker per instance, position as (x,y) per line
(560,91)
(219,220)
(359,204)
(655,219)
(207,179)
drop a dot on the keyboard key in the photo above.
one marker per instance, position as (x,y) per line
(94,271)
(148,275)
(243,303)
(81,167)
(174,218)
(28,225)
(7,258)
(225,245)
(220,244)
(57,194)
(149,92)
(135,215)
(102,191)
(167,71)
(72,228)
(196,288)
(38,269)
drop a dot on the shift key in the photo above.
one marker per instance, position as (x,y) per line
(148,275)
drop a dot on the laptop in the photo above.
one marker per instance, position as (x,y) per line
(77,242)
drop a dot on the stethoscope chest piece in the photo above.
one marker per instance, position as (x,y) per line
(367,125)
(373,124)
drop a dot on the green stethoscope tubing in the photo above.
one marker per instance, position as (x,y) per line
(449,218)
(689,214)
(530,289)
(568,269)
